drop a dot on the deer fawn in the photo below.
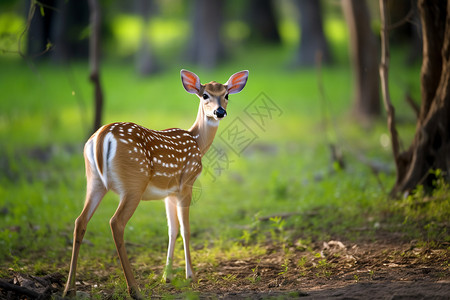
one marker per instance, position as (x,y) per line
(142,164)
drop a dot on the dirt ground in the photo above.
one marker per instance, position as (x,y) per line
(332,269)
(354,271)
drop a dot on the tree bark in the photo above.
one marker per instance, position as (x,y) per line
(206,47)
(312,39)
(263,22)
(364,59)
(405,20)
(433,21)
(39,32)
(69,21)
(146,63)
(384,75)
(94,61)
(430,148)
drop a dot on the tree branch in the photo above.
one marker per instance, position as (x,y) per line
(412,104)
(19,290)
(403,21)
(384,73)
(94,61)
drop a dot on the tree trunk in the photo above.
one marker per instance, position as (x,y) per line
(312,39)
(146,63)
(206,47)
(70,20)
(364,59)
(430,148)
(405,19)
(263,22)
(39,32)
(94,61)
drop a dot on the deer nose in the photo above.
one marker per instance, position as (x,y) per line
(220,112)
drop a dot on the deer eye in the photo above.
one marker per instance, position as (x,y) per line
(226,96)
(205,96)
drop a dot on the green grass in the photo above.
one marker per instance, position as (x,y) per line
(45,115)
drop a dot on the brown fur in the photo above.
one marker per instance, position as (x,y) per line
(215,88)
(142,155)
(149,164)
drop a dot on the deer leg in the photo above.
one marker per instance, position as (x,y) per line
(183,215)
(173,226)
(127,206)
(95,193)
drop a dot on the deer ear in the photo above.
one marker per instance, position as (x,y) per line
(237,82)
(191,82)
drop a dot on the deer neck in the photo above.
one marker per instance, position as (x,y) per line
(204,130)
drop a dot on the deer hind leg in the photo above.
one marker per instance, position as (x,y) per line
(173,225)
(94,195)
(127,206)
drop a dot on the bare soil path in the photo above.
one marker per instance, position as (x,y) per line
(353,271)
(332,269)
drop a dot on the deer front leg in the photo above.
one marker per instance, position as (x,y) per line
(173,226)
(127,206)
(183,215)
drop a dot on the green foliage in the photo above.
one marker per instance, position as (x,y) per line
(277,231)
(285,266)
(255,277)
(11,26)
(428,213)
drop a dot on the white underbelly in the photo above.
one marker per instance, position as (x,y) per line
(154,193)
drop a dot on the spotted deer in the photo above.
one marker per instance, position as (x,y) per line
(142,164)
